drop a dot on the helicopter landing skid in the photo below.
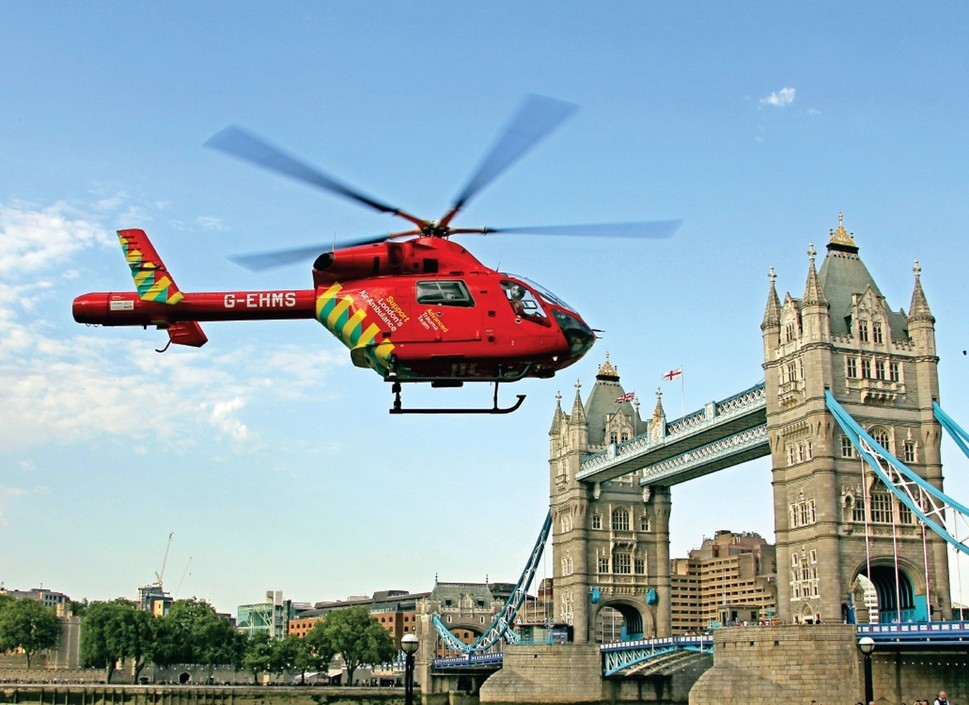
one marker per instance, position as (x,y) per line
(495,409)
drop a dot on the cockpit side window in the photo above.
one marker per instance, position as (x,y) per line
(444,293)
(523,303)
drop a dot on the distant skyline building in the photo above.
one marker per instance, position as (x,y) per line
(271,617)
(152,598)
(730,578)
(48,598)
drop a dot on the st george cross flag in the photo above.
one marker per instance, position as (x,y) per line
(673,374)
(628,396)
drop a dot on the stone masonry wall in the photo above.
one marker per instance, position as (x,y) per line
(782,664)
(801,663)
(547,673)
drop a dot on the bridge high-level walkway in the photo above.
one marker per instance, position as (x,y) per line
(720,435)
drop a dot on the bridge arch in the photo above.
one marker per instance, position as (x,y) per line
(900,590)
(634,618)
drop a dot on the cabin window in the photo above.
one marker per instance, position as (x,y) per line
(523,303)
(444,292)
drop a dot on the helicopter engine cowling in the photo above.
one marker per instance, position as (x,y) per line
(420,256)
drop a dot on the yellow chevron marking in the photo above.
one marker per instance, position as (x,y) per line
(382,351)
(159,288)
(353,323)
(368,335)
(338,311)
(324,298)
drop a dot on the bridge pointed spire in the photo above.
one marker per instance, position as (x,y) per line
(578,410)
(772,315)
(919,310)
(813,292)
(558,417)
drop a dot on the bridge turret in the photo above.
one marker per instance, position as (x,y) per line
(921,322)
(578,428)
(771,325)
(815,317)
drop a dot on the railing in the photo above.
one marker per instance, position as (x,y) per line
(482,661)
(917,633)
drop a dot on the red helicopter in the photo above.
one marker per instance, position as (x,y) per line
(413,306)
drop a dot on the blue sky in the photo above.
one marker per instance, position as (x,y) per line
(270,457)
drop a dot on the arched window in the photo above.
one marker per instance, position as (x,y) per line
(620,519)
(882,437)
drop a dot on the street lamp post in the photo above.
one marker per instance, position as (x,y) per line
(866,645)
(409,644)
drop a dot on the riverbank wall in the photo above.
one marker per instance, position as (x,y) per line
(90,694)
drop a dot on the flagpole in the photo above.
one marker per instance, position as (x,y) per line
(669,377)
(682,393)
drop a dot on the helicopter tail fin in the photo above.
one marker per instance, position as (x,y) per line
(154,283)
(152,280)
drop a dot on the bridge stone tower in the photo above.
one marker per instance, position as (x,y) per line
(838,531)
(611,539)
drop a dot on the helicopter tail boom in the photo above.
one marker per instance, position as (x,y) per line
(159,302)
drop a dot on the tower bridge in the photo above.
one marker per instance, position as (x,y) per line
(848,412)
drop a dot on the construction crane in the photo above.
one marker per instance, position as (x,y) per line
(161,573)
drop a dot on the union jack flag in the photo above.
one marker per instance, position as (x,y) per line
(628,396)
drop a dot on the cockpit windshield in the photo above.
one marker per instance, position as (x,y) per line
(543,292)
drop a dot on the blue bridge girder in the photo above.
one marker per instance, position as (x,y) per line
(722,434)
(648,656)
(469,662)
(932,506)
(500,628)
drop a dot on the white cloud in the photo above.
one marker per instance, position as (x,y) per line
(60,384)
(223,418)
(206,222)
(779,99)
(33,240)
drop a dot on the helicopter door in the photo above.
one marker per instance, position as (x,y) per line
(446,310)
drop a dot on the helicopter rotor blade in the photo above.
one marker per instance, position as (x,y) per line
(247,147)
(261,261)
(650,229)
(535,120)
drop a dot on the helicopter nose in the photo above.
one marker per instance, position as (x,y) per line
(580,339)
(577,334)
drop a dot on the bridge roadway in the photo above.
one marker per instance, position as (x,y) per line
(720,435)
(651,656)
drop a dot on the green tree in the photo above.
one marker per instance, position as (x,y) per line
(286,654)
(112,632)
(358,637)
(192,632)
(28,625)
(214,639)
(258,655)
(316,653)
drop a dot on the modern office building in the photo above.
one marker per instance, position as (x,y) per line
(272,616)
(730,579)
